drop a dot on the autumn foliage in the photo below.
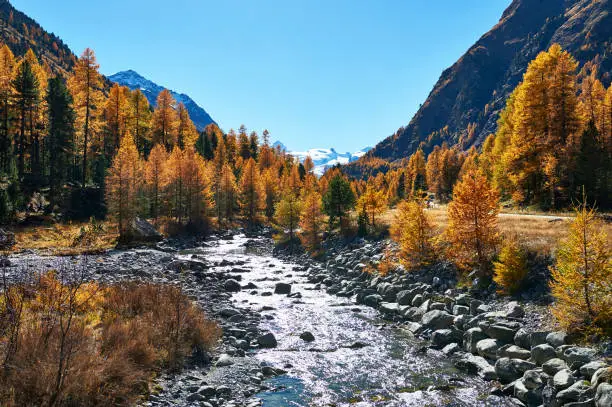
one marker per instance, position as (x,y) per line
(510,269)
(414,233)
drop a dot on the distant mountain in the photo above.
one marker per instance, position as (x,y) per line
(324,158)
(150,89)
(21,32)
(464,105)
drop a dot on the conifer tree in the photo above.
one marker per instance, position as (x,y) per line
(164,122)
(187,134)
(7,66)
(254,145)
(85,85)
(154,172)
(472,229)
(287,213)
(581,276)
(244,146)
(225,195)
(372,202)
(413,231)
(270,188)
(338,201)
(60,138)
(123,183)
(510,269)
(417,173)
(116,114)
(139,121)
(251,192)
(311,221)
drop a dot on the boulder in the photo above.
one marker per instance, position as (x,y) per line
(552,366)
(532,397)
(267,340)
(538,338)
(232,285)
(603,375)
(590,368)
(307,336)
(522,339)
(474,304)
(7,239)
(514,310)
(532,379)
(224,360)
(471,337)
(513,352)
(563,379)
(573,393)
(476,365)
(542,353)
(508,370)
(282,288)
(413,313)
(460,310)
(556,339)
(576,357)
(140,230)
(404,297)
(603,396)
(501,332)
(389,308)
(437,319)
(488,348)
(372,300)
(443,337)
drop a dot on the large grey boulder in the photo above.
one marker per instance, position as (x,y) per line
(542,353)
(372,300)
(142,231)
(267,340)
(532,379)
(437,319)
(443,337)
(563,379)
(513,352)
(575,392)
(404,297)
(603,396)
(522,338)
(508,370)
(576,357)
(590,368)
(471,337)
(557,338)
(282,288)
(488,348)
(477,365)
(552,366)
(231,285)
(514,310)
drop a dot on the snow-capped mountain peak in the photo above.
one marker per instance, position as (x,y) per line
(324,158)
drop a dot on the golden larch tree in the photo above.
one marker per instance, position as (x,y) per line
(116,113)
(139,122)
(251,192)
(270,188)
(154,171)
(287,213)
(510,269)
(472,228)
(413,232)
(7,66)
(582,276)
(372,202)
(164,122)
(123,183)
(86,84)
(312,221)
(187,134)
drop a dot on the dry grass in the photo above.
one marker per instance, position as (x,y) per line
(65,342)
(538,232)
(67,239)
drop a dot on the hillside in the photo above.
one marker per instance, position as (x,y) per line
(20,33)
(464,104)
(150,89)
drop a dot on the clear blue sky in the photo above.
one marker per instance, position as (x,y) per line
(317,73)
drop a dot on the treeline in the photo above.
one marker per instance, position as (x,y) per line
(554,137)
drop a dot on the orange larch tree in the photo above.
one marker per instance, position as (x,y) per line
(164,122)
(251,192)
(311,221)
(154,171)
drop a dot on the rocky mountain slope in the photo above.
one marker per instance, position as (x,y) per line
(324,158)
(20,33)
(133,80)
(464,104)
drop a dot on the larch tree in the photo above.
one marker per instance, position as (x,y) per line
(251,192)
(225,195)
(311,221)
(413,232)
(85,84)
(116,113)
(472,229)
(287,214)
(139,121)
(270,189)
(582,275)
(510,269)
(417,173)
(372,202)
(164,122)
(7,66)
(195,180)
(154,171)
(244,146)
(123,182)
(187,134)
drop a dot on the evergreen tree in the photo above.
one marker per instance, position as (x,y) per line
(139,121)
(164,122)
(338,201)
(187,134)
(251,192)
(287,213)
(7,66)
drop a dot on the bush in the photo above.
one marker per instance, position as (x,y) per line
(66,342)
(511,268)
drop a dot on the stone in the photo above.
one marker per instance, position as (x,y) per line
(503,333)
(603,395)
(508,370)
(232,285)
(437,305)
(460,310)
(556,339)
(417,300)
(443,337)
(513,352)
(282,288)
(538,338)
(471,337)
(140,231)
(207,391)
(601,375)
(474,304)
(195,397)
(389,308)
(542,353)
(590,368)
(437,319)
(451,349)
(522,339)
(372,300)
(563,379)
(532,379)
(267,340)
(307,336)
(463,299)
(224,360)
(514,310)
(573,393)
(530,396)
(488,348)
(576,357)
(477,365)
(552,366)
(413,313)
(404,297)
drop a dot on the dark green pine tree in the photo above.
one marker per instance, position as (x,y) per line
(401,186)
(338,201)
(254,145)
(26,99)
(60,138)
(592,169)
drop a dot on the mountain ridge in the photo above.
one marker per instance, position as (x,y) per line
(463,106)
(324,158)
(150,89)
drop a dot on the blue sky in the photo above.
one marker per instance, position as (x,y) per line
(317,73)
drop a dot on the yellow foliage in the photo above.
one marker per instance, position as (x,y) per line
(511,268)
(311,221)
(413,231)
(582,276)
(373,202)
